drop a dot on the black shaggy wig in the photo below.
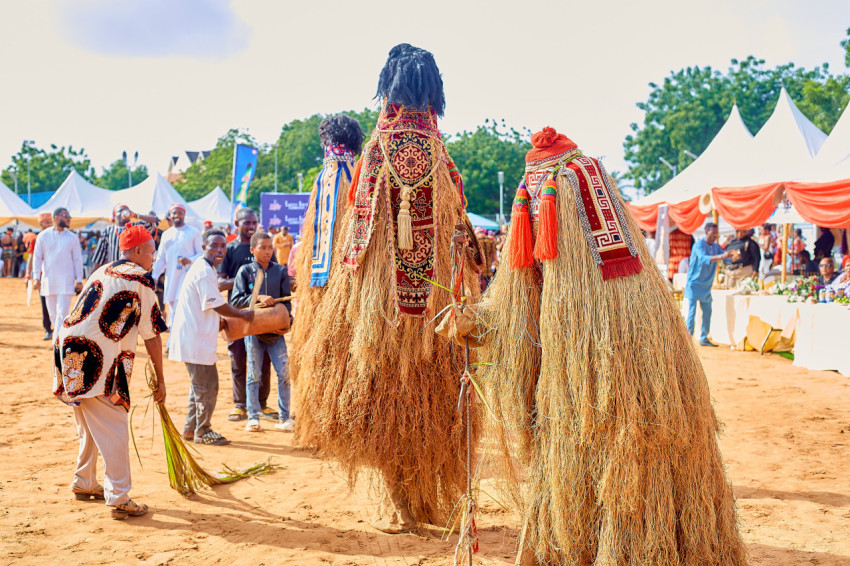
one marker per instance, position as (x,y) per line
(411,78)
(341,130)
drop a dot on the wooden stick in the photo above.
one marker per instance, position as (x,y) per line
(255,292)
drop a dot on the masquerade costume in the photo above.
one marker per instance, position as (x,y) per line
(322,236)
(385,390)
(598,384)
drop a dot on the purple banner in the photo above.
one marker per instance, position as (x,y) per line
(283,209)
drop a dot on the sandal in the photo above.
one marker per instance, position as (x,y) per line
(88,494)
(190,435)
(211,438)
(129,509)
(269,414)
(237,414)
(253,425)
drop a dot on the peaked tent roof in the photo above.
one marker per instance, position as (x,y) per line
(214,206)
(154,193)
(697,178)
(783,150)
(833,160)
(85,201)
(12,206)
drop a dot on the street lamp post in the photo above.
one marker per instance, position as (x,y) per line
(668,164)
(29,183)
(275,168)
(129,167)
(501,176)
(300,182)
(689,154)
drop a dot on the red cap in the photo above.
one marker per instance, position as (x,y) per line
(133,236)
(548,145)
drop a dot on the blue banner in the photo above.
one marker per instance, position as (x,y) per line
(283,209)
(244,168)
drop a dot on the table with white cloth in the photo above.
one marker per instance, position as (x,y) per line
(817,334)
(822,338)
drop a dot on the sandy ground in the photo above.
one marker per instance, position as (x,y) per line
(786,446)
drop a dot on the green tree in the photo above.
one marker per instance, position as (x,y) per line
(685,112)
(115,177)
(846,45)
(480,155)
(46,169)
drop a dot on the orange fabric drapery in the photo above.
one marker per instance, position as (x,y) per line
(686,215)
(745,207)
(824,204)
(646,215)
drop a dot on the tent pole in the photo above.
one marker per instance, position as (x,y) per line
(786,230)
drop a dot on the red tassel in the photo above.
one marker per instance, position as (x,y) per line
(521,244)
(546,246)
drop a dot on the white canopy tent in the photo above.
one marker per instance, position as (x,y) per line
(214,206)
(153,194)
(85,201)
(783,150)
(13,207)
(697,178)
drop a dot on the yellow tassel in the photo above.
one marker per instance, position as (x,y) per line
(404,224)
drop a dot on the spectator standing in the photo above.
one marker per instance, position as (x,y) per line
(107,246)
(283,242)
(275,285)
(179,247)
(57,267)
(45,221)
(701,271)
(7,243)
(745,256)
(238,254)
(194,335)
(94,361)
(767,245)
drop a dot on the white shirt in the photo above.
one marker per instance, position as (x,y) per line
(176,243)
(194,332)
(57,261)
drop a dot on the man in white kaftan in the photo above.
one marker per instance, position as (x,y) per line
(57,268)
(179,247)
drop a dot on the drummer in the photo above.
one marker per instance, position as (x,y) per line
(274,285)
(194,333)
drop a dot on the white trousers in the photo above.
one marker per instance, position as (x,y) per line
(58,307)
(103,427)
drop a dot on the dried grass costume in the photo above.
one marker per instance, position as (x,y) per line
(610,434)
(322,236)
(384,387)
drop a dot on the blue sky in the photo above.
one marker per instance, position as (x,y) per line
(161,76)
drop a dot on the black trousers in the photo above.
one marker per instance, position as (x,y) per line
(45,316)
(239,371)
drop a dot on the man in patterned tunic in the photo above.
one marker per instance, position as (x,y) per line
(94,353)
